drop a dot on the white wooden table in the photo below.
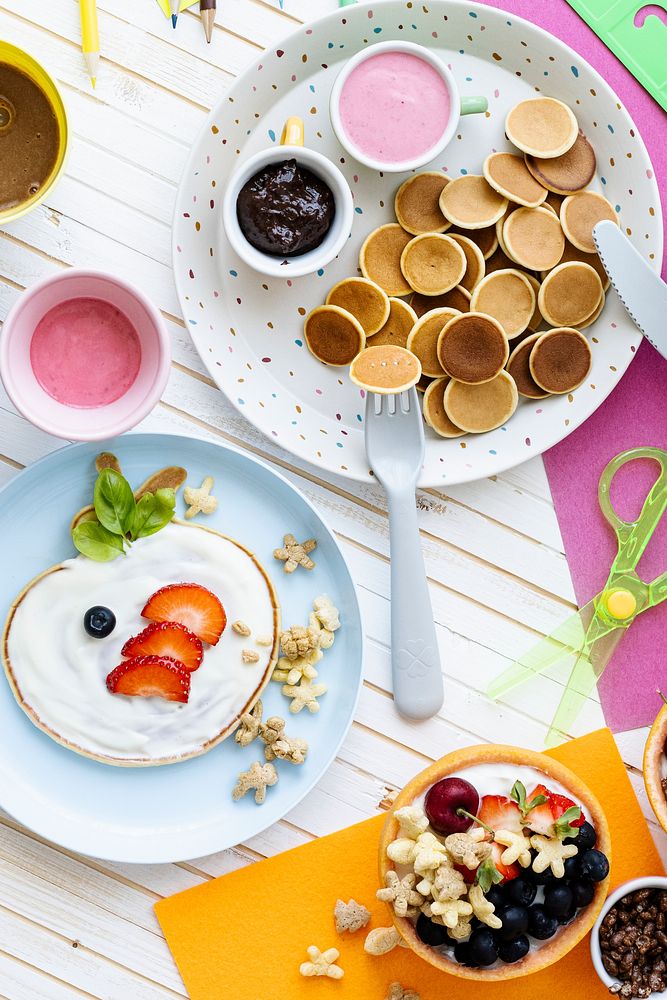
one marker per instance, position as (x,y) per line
(76,927)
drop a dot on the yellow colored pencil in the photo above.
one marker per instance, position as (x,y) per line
(90,38)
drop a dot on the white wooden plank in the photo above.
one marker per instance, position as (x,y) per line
(23,982)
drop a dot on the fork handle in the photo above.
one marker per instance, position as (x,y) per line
(415,661)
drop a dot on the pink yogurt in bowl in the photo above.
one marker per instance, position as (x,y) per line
(84,355)
(394,106)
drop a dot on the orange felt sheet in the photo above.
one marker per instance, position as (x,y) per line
(244,934)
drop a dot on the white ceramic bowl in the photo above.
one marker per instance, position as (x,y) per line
(333,242)
(457,107)
(651,882)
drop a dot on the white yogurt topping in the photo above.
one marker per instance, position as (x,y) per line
(61,671)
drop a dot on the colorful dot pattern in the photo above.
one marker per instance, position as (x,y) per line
(248,328)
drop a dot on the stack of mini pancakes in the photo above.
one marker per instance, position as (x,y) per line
(488,280)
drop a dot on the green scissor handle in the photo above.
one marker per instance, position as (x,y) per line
(634,536)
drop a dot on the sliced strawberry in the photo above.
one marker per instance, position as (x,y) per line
(190,605)
(560,805)
(500,813)
(508,872)
(167,639)
(151,677)
(540,819)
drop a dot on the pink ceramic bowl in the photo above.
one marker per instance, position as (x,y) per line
(73,423)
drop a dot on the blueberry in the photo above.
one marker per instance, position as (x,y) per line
(557,900)
(515,922)
(585,839)
(496,895)
(463,955)
(539,878)
(570,915)
(513,951)
(583,893)
(540,924)
(99,622)
(520,892)
(483,946)
(430,933)
(594,865)
(571,866)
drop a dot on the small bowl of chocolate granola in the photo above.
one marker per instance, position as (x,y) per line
(629,940)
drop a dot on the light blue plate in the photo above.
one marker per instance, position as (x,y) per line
(183,810)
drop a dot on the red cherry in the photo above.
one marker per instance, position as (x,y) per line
(444,799)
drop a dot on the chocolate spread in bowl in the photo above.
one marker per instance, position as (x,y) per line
(29,137)
(285,210)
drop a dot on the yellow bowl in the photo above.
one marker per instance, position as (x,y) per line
(24,62)
(653,753)
(570,935)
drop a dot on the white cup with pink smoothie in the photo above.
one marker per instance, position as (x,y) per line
(395,106)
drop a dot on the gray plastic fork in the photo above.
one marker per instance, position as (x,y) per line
(395,450)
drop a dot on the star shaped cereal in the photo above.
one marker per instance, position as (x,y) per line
(350,917)
(517,848)
(326,613)
(551,853)
(258,776)
(402,851)
(430,853)
(382,940)
(249,726)
(322,963)
(451,910)
(304,695)
(482,908)
(461,930)
(401,893)
(297,641)
(295,554)
(412,821)
(397,992)
(467,850)
(279,746)
(291,671)
(199,499)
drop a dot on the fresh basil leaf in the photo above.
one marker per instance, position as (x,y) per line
(114,502)
(96,541)
(154,511)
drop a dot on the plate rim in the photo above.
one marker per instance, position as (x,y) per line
(501,464)
(128,854)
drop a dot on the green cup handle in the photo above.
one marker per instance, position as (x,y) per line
(474,105)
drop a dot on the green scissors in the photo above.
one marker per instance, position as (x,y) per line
(588,639)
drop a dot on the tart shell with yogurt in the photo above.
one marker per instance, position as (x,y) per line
(655,766)
(230,689)
(456,763)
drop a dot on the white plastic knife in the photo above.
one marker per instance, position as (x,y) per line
(639,288)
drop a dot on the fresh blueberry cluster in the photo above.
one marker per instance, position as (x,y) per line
(523,914)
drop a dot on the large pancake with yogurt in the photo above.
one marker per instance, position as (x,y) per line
(58,673)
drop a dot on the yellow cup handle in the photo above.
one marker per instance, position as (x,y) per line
(293,132)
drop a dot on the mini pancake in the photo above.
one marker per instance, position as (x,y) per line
(400,321)
(434,410)
(508,174)
(534,238)
(473,348)
(536,318)
(518,365)
(333,335)
(542,126)
(509,297)
(594,315)
(364,299)
(433,263)
(568,173)
(486,238)
(570,294)
(458,298)
(475,265)
(423,340)
(385,369)
(560,360)
(471,203)
(580,213)
(479,408)
(417,203)
(380,258)
(573,253)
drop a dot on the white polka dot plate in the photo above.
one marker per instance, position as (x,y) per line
(248,328)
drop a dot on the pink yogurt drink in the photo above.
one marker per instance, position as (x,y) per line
(85,353)
(394,107)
